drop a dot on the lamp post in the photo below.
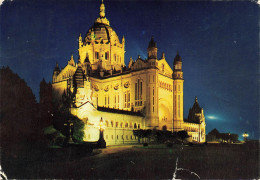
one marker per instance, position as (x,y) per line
(68,102)
(101,141)
(69,123)
(245,135)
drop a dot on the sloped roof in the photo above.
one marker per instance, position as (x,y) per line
(119,111)
(196,109)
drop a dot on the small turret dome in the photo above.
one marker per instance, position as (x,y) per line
(57,68)
(177,58)
(152,43)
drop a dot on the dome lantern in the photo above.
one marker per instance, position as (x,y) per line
(102,19)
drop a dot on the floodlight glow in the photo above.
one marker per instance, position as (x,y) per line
(211,117)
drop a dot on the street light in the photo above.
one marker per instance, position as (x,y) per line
(68,101)
(245,135)
(69,124)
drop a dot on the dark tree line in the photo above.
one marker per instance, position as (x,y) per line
(19,117)
(215,135)
(45,104)
(159,136)
(22,119)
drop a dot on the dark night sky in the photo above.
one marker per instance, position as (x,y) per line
(218,42)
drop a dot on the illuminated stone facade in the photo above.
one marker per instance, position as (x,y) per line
(145,94)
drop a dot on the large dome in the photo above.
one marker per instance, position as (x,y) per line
(101,31)
(101,45)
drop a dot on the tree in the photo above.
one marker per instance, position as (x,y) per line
(157,135)
(19,111)
(63,116)
(182,134)
(78,129)
(45,105)
(138,133)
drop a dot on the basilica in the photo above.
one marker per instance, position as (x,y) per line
(120,98)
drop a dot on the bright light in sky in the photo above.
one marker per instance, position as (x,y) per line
(211,117)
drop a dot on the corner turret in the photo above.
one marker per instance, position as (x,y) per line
(163,55)
(123,42)
(56,72)
(71,61)
(80,41)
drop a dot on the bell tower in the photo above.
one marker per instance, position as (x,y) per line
(177,94)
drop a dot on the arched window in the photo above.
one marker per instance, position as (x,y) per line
(135,126)
(116,124)
(107,124)
(112,124)
(126,125)
(121,124)
(131,125)
(138,126)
